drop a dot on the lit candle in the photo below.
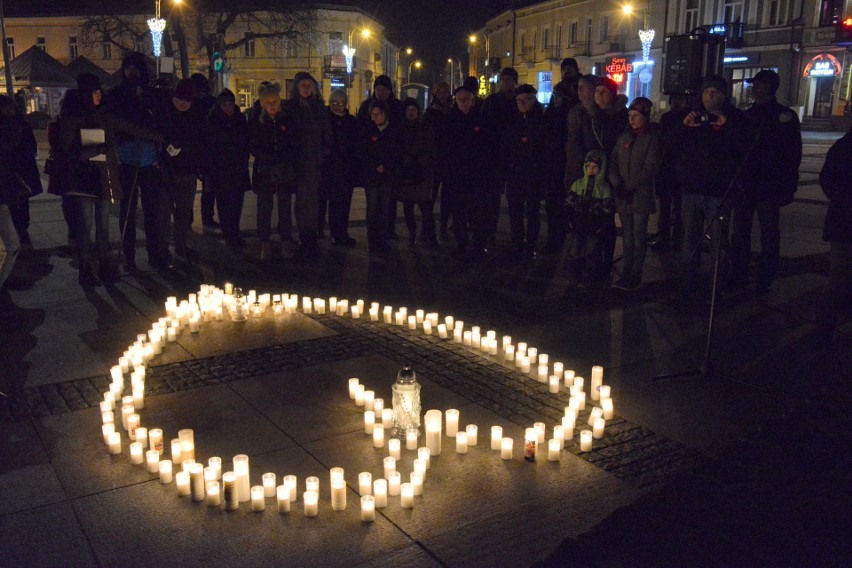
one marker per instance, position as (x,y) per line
(492,348)
(229,288)
(374,314)
(579,383)
(353,385)
(387,314)
(394,481)
(152,461)
(457,336)
(461,443)
(165,468)
(450,322)
(108,417)
(452,422)
(597,381)
(427,327)
(553,450)
(229,488)
(406,498)
(155,439)
(332,304)
(506,447)
(507,340)
(596,413)
(389,464)
(311,500)
(496,436)
(241,470)
(214,496)
(378,406)
(291,483)
(586,441)
(268,484)
(387,417)
(368,508)
(412,323)
(338,495)
(432,419)
(187,443)
(411,439)
(106,430)
(369,421)
(442,331)
(398,317)
(569,379)
(142,436)
(532,353)
(559,434)
(378,437)
(543,359)
(568,423)
(215,464)
(132,425)
(522,348)
(306,305)
(359,395)
(558,369)
(312,484)
(553,384)
(530,443)
(380,492)
(580,397)
(472,434)
(182,481)
(114,443)
(420,467)
(509,352)
(282,498)
(604,391)
(424,455)
(365,483)
(466,338)
(171,334)
(598,428)
(369,399)
(608,410)
(196,479)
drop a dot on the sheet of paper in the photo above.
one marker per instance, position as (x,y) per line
(92,136)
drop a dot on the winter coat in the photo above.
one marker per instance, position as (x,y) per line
(184,131)
(18,151)
(556,119)
(416,168)
(499,109)
(436,117)
(834,179)
(710,155)
(525,145)
(311,119)
(339,170)
(775,138)
(592,128)
(137,103)
(633,166)
(472,149)
(671,129)
(376,148)
(227,151)
(274,143)
(589,203)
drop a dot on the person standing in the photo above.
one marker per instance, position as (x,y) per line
(768,183)
(204,102)
(134,100)
(834,179)
(274,143)
(633,166)
(227,156)
(436,117)
(378,149)
(415,173)
(310,116)
(669,223)
(525,145)
(338,170)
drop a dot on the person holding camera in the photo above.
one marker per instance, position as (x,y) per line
(711,153)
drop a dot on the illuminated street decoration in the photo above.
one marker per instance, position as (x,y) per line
(823,65)
(646,37)
(349,54)
(157,26)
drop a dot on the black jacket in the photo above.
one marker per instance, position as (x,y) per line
(472,149)
(274,143)
(376,148)
(526,144)
(227,151)
(339,170)
(183,130)
(835,181)
(775,152)
(17,160)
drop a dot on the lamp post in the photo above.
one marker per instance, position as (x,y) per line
(646,34)
(473,41)
(157,25)
(452,76)
(417,64)
(408,52)
(349,54)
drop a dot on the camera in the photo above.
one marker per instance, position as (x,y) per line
(704,118)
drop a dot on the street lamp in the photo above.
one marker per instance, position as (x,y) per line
(452,76)
(474,39)
(408,51)
(646,34)
(417,64)
(349,54)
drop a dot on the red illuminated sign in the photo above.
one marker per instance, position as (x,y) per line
(618,65)
(823,65)
(617,77)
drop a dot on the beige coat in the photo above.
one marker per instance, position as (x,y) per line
(633,165)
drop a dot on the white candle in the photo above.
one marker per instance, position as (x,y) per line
(132,425)
(389,464)
(312,484)
(399,318)
(604,391)
(165,468)
(374,314)
(306,305)
(106,430)
(412,323)
(427,327)
(472,434)
(598,428)
(580,397)
(369,421)
(532,353)
(543,359)
(187,443)
(394,481)
(510,352)
(608,410)
(442,331)
(380,492)
(365,483)
(525,365)
(196,479)
(586,441)
(338,495)
(568,423)
(387,417)
(492,350)
(579,383)
(311,501)
(457,336)
(506,448)
(369,399)
(171,334)
(114,443)
(142,436)
(137,455)
(424,455)
(559,434)
(432,420)
(155,439)
(553,450)
(597,381)
(450,322)
(291,483)
(378,406)
(108,417)
(553,384)
(387,314)
(394,448)
(332,304)
(229,489)
(558,369)
(353,384)
(411,439)
(466,338)
(182,481)
(378,437)
(215,464)
(507,340)
(214,496)
(596,413)
(569,379)
(496,436)
(282,498)
(406,498)
(530,443)
(461,443)
(452,422)
(368,508)
(152,461)
(420,467)
(241,470)
(359,395)
(268,484)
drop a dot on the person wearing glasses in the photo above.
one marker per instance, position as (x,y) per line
(338,171)
(524,148)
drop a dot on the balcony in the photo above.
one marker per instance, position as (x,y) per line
(337,62)
(553,52)
(528,55)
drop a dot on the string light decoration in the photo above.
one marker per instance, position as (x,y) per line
(646,37)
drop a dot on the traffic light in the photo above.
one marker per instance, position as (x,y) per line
(217,62)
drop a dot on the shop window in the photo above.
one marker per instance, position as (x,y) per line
(545,86)
(830,11)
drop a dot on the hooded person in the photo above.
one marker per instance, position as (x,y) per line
(436,116)
(134,100)
(382,91)
(415,177)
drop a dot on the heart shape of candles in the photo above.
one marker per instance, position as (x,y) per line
(228,489)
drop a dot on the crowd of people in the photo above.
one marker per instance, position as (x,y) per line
(588,156)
